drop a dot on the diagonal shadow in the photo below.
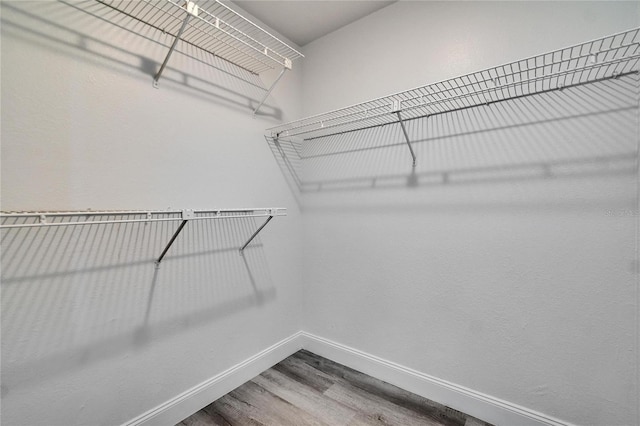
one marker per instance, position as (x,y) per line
(69,29)
(68,290)
(581,131)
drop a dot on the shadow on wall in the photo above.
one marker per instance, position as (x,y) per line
(82,30)
(579,131)
(74,295)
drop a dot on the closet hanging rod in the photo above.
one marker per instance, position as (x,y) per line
(42,219)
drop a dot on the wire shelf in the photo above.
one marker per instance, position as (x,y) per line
(70,218)
(608,57)
(76,218)
(215,28)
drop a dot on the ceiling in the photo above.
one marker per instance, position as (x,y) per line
(303,21)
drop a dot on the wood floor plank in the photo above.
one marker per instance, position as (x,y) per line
(200,418)
(384,390)
(378,410)
(306,398)
(302,372)
(364,420)
(308,390)
(232,411)
(216,418)
(270,409)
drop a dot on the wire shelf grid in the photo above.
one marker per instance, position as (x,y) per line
(11,220)
(39,219)
(597,60)
(216,28)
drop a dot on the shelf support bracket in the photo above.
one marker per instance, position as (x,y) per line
(175,235)
(192,10)
(255,234)
(266,95)
(186,215)
(396,109)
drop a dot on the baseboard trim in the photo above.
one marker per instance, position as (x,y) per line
(477,404)
(201,395)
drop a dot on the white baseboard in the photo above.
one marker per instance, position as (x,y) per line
(194,399)
(482,406)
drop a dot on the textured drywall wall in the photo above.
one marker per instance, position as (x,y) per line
(92,333)
(506,261)
(523,288)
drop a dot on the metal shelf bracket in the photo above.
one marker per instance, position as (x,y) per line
(257,232)
(186,216)
(191,10)
(397,107)
(266,95)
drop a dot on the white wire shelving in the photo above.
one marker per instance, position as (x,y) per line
(613,56)
(79,218)
(214,27)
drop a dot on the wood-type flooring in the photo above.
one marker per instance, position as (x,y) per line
(308,390)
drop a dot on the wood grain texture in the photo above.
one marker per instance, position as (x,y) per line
(308,390)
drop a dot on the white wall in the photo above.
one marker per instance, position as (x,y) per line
(509,267)
(512,284)
(91,333)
